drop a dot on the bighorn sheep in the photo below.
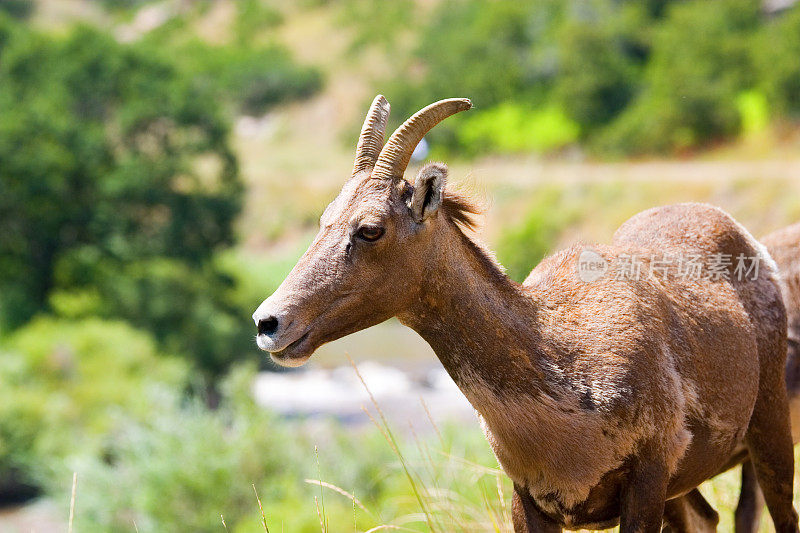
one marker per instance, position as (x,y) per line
(784,246)
(603,400)
(692,510)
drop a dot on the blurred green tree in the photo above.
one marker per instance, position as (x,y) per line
(117,186)
(251,79)
(599,69)
(700,62)
(585,58)
(248,74)
(17,8)
(777,49)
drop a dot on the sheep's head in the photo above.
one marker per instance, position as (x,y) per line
(365,262)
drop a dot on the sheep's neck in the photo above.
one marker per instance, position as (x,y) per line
(480,323)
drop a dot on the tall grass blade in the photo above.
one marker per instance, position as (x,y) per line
(319,515)
(261,509)
(432,421)
(321,495)
(341,491)
(389,526)
(393,443)
(72,501)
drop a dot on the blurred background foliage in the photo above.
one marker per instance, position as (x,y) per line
(625,78)
(164,163)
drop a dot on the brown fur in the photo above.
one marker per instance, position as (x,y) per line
(784,247)
(602,400)
(461,209)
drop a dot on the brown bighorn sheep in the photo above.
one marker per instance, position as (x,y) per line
(602,400)
(784,247)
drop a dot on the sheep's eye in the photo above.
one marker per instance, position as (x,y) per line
(370,233)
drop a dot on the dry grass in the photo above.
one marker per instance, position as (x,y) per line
(260,509)
(72,501)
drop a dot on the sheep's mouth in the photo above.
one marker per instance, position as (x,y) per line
(295,354)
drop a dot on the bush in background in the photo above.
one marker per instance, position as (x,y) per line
(700,62)
(247,72)
(192,311)
(252,80)
(537,57)
(183,467)
(636,78)
(18,8)
(777,48)
(509,128)
(528,242)
(64,384)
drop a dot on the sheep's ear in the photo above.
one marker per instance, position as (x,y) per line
(428,190)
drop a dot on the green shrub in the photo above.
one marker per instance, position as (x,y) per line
(254,80)
(509,128)
(184,466)
(598,73)
(700,62)
(248,77)
(636,78)
(18,8)
(491,52)
(181,469)
(777,49)
(63,383)
(542,56)
(123,4)
(253,17)
(753,112)
(376,22)
(193,312)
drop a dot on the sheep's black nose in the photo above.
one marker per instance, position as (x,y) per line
(267,326)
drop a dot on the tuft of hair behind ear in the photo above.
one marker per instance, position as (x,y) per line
(462,208)
(428,191)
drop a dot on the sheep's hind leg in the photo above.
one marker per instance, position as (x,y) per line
(690,513)
(526,516)
(769,440)
(751,501)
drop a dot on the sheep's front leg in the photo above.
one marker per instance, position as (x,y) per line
(526,516)
(642,499)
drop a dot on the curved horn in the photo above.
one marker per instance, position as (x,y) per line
(396,154)
(370,141)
